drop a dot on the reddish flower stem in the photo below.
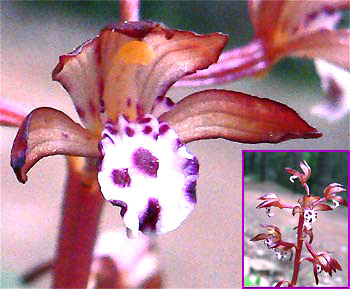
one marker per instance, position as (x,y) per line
(81,213)
(298,251)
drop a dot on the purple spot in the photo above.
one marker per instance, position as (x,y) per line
(191,192)
(80,111)
(191,166)
(129,131)
(128,102)
(160,98)
(155,136)
(149,219)
(121,178)
(106,135)
(169,102)
(179,143)
(121,204)
(100,148)
(309,18)
(102,104)
(147,129)
(144,119)
(163,129)
(146,162)
(111,128)
(65,135)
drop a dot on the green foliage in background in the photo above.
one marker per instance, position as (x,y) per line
(327,167)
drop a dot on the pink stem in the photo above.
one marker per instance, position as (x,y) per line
(239,62)
(81,213)
(129,10)
(298,250)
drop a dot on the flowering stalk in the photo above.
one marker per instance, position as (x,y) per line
(82,208)
(298,250)
(307,210)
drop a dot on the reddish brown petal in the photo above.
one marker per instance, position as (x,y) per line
(11,114)
(129,65)
(322,207)
(333,189)
(237,117)
(340,200)
(329,45)
(297,210)
(46,132)
(259,237)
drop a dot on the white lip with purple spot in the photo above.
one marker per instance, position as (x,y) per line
(149,173)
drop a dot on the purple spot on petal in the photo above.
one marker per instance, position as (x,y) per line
(129,131)
(169,102)
(155,136)
(309,18)
(128,102)
(160,98)
(163,129)
(144,119)
(191,166)
(106,135)
(149,219)
(191,191)
(102,104)
(121,178)
(147,129)
(146,162)
(179,143)
(121,204)
(111,128)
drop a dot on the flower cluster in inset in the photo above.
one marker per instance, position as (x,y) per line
(307,208)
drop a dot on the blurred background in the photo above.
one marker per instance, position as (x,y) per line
(264,173)
(205,250)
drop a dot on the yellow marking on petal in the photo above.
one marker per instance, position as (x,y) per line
(136,52)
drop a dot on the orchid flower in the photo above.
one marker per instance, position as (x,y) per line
(291,28)
(134,135)
(321,261)
(273,240)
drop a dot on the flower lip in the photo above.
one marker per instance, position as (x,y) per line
(154,178)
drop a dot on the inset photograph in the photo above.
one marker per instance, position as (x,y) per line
(295,218)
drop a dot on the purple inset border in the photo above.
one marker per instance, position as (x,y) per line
(244,151)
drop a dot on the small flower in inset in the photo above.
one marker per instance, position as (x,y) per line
(304,176)
(330,193)
(309,205)
(322,261)
(271,200)
(273,239)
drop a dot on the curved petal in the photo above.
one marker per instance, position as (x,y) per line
(47,132)
(261,236)
(127,66)
(236,116)
(322,207)
(329,45)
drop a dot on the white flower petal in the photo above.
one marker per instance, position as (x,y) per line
(292,178)
(148,172)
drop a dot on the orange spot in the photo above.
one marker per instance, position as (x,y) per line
(136,52)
